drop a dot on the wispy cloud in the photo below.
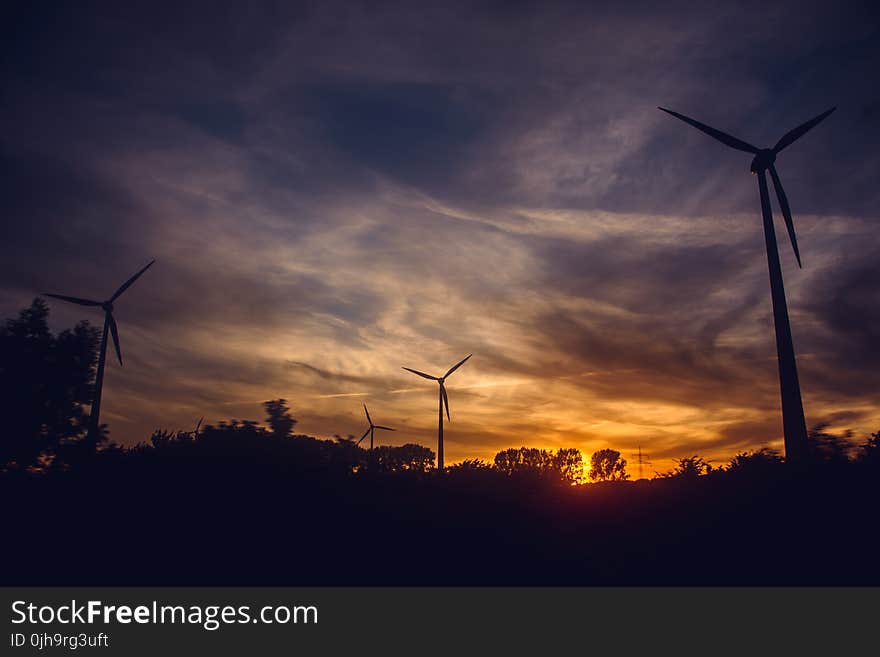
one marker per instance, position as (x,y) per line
(333,193)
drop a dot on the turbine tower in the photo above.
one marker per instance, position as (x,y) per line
(444,401)
(109,327)
(371,428)
(793,423)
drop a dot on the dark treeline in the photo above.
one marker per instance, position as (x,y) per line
(246,502)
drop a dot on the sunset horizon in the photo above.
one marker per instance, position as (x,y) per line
(453,327)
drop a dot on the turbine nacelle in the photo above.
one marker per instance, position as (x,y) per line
(371,428)
(763,160)
(107,306)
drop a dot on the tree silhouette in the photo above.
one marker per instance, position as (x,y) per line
(406,458)
(869,453)
(45,382)
(280,421)
(606,465)
(565,465)
(568,464)
(525,460)
(415,457)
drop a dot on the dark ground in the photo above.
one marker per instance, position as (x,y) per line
(133,523)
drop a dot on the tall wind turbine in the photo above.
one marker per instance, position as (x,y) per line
(444,401)
(371,428)
(109,326)
(793,423)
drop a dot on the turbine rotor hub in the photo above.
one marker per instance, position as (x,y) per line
(107,306)
(763,160)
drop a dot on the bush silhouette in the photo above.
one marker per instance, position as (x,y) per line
(761,462)
(829,448)
(689,467)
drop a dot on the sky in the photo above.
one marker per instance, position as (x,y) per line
(335,190)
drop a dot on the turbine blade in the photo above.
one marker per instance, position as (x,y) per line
(422,374)
(786,212)
(369,419)
(362,437)
(128,283)
(793,135)
(723,137)
(115,333)
(76,300)
(456,366)
(445,400)
(379,426)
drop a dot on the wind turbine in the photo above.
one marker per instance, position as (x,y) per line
(444,401)
(109,326)
(371,428)
(793,424)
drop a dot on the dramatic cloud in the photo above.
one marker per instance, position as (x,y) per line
(334,191)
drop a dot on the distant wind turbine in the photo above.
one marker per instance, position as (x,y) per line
(793,423)
(444,401)
(371,428)
(109,326)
